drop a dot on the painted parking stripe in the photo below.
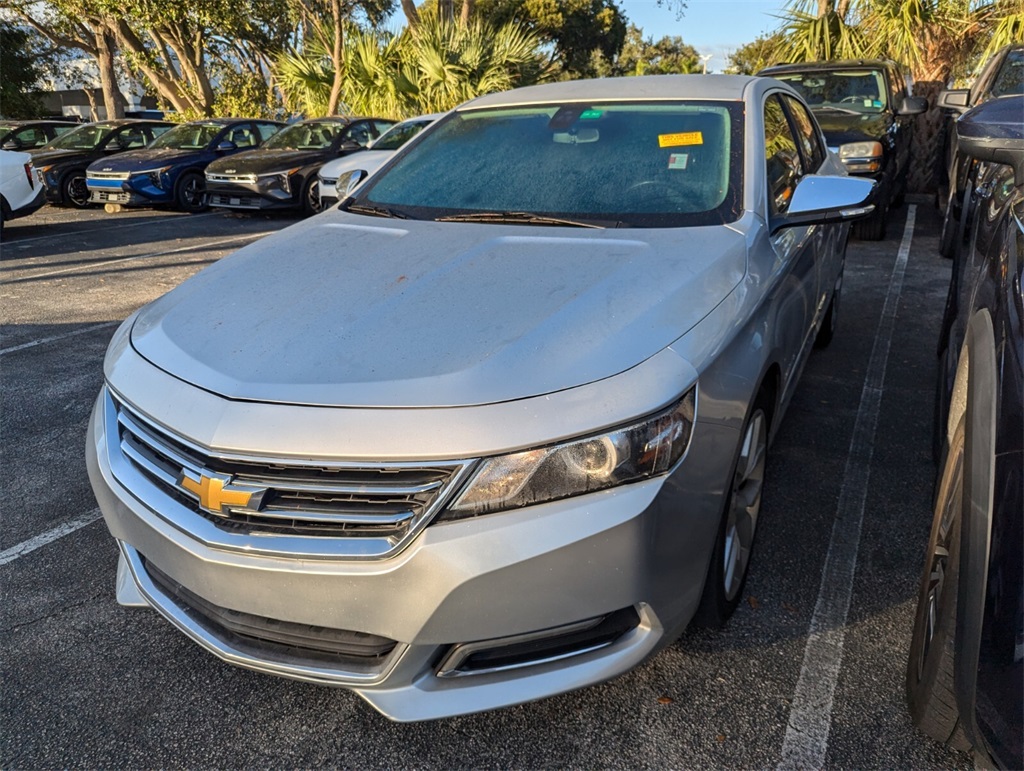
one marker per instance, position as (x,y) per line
(810,717)
(54,338)
(103,227)
(26,547)
(86,269)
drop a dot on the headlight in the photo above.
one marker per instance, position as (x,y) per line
(861,156)
(156,176)
(628,454)
(282,178)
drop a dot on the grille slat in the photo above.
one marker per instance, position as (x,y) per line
(318,499)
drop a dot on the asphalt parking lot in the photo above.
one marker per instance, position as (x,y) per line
(87,683)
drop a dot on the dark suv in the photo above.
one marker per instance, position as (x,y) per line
(1002,75)
(866,115)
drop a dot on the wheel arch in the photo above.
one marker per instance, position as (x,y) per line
(974,394)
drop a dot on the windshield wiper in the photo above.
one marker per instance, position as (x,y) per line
(376,211)
(520,217)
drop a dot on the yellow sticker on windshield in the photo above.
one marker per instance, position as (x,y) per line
(680,140)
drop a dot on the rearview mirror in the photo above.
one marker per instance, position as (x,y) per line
(993,132)
(819,200)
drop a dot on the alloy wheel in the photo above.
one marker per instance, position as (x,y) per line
(744,504)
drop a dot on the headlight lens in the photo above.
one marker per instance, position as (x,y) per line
(283,179)
(156,176)
(627,454)
(861,156)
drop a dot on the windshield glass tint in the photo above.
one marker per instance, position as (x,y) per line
(396,136)
(1010,79)
(305,136)
(859,91)
(87,137)
(189,136)
(658,164)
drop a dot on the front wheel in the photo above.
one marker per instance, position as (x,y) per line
(872,227)
(311,203)
(930,694)
(73,189)
(190,193)
(827,330)
(730,559)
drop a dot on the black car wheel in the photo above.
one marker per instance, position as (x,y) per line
(730,559)
(311,196)
(827,330)
(190,193)
(73,190)
(930,693)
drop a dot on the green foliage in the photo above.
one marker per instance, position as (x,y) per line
(245,94)
(644,56)
(754,57)
(305,80)
(21,68)
(807,37)
(575,29)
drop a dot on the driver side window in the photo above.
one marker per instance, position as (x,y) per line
(782,158)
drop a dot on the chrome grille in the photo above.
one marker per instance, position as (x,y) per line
(235,201)
(332,499)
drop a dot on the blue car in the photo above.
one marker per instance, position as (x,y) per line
(170,170)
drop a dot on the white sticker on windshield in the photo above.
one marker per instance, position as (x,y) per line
(678,160)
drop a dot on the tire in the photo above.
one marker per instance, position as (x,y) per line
(930,694)
(73,191)
(190,193)
(872,227)
(730,559)
(311,196)
(827,330)
(950,228)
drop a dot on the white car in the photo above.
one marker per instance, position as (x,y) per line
(369,160)
(20,191)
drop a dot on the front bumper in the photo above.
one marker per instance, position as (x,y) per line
(32,206)
(134,191)
(253,196)
(640,548)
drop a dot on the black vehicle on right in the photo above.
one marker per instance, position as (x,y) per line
(1002,75)
(965,673)
(866,115)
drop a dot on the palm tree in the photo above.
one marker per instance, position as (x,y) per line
(305,79)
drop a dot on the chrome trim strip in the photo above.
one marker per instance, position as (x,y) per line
(449,666)
(177,616)
(329,519)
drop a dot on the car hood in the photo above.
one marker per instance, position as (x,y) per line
(267,161)
(347,310)
(44,157)
(145,159)
(367,160)
(840,128)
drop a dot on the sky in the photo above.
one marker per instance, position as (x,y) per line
(714,27)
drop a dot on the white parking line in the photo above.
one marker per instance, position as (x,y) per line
(44,340)
(85,269)
(810,717)
(25,547)
(101,229)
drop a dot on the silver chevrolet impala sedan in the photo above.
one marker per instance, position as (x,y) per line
(495,428)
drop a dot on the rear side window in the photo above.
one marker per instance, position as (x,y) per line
(782,159)
(810,143)
(1010,78)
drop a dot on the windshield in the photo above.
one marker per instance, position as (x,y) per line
(1010,79)
(305,136)
(398,135)
(856,91)
(87,137)
(634,164)
(188,136)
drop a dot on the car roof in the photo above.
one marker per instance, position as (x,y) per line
(839,64)
(40,122)
(655,87)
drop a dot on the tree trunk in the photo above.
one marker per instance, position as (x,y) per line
(930,77)
(113,99)
(824,6)
(411,14)
(337,58)
(468,6)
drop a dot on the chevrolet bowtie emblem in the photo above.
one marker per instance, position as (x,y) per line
(216,493)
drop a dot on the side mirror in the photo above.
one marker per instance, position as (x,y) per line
(355,178)
(12,144)
(349,146)
(819,200)
(226,147)
(955,99)
(993,132)
(913,105)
